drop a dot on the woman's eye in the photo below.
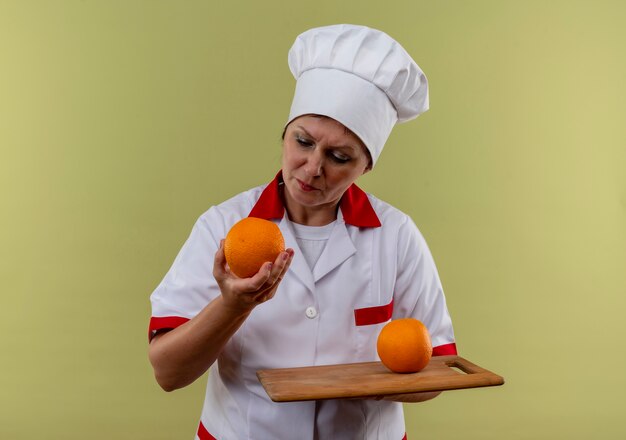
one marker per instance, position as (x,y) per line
(340,158)
(304,142)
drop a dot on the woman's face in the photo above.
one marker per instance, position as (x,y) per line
(321,159)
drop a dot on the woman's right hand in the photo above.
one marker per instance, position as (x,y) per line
(243,294)
(183,354)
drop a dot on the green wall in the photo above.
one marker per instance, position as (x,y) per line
(122,121)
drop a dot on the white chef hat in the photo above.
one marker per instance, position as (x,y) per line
(358,76)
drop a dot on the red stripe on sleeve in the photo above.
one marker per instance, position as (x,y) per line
(445,350)
(373,315)
(165,322)
(204,434)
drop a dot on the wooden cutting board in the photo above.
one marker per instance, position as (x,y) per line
(372,379)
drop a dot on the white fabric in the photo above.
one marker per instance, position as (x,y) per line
(358,268)
(359,76)
(312,240)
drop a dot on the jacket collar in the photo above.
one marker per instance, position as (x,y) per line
(355,206)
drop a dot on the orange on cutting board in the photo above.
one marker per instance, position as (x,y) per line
(250,243)
(404,345)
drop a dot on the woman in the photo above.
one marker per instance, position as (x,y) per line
(358,262)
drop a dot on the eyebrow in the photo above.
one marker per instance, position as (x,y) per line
(350,147)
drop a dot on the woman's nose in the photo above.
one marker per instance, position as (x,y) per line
(314,165)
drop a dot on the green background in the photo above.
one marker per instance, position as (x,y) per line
(122,121)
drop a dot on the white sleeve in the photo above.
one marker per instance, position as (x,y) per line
(189,285)
(418,291)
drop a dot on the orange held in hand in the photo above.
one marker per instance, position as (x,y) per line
(404,345)
(250,243)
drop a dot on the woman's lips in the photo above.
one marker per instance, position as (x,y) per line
(305,187)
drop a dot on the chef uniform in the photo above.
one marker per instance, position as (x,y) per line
(374,266)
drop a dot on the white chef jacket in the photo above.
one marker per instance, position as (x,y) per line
(375,267)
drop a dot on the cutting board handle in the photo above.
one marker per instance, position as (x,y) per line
(465,366)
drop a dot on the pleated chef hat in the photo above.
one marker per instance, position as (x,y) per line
(358,76)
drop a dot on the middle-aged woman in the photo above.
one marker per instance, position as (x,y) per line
(353,262)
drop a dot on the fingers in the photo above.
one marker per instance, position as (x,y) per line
(287,259)
(271,273)
(258,280)
(279,268)
(219,263)
(257,289)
